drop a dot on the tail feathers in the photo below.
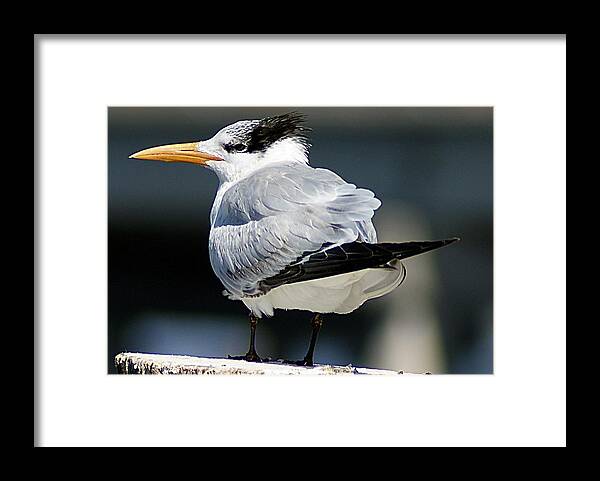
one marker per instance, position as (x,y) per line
(404,250)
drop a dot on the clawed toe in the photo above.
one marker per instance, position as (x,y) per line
(250,357)
(303,362)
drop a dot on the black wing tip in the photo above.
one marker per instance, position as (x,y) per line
(404,250)
(440,243)
(451,240)
(354,256)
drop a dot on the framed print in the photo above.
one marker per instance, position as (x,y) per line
(157,160)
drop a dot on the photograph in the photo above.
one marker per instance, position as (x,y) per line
(298,239)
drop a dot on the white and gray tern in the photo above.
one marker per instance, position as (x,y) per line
(285,235)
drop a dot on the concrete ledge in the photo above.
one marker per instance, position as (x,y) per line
(137,363)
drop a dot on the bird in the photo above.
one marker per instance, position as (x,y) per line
(286,235)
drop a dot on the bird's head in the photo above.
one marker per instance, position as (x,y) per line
(242,147)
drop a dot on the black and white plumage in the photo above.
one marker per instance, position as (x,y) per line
(285,235)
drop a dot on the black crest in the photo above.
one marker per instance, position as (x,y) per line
(271,129)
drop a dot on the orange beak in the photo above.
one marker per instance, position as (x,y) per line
(176,153)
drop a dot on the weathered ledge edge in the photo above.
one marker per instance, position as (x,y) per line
(140,363)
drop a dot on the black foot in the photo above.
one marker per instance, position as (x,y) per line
(303,362)
(250,356)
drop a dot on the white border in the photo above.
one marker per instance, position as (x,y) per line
(522,404)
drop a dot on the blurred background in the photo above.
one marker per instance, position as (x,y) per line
(431,167)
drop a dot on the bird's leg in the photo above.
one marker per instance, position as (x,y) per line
(251,355)
(316,324)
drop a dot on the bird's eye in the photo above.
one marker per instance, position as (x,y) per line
(239,147)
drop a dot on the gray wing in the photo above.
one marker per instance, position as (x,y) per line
(280,215)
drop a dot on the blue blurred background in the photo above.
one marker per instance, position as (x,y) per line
(431,167)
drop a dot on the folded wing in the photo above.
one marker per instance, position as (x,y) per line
(281,215)
(350,257)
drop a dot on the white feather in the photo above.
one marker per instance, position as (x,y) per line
(273,208)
